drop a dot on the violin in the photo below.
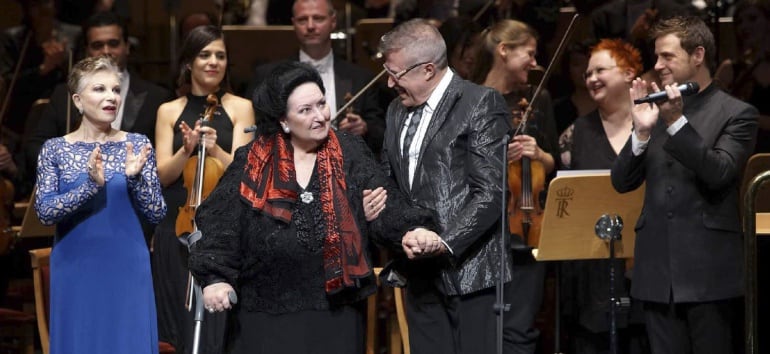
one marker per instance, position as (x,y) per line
(201,174)
(526,181)
(526,178)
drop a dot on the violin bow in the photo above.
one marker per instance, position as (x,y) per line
(547,74)
(338,117)
(12,84)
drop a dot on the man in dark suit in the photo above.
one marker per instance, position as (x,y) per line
(105,34)
(314,21)
(691,152)
(442,148)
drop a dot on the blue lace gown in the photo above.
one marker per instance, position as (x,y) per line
(101,286)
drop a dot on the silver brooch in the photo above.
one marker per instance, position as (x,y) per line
(306,197)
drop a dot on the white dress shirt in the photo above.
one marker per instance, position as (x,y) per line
(422,128)
(325,67)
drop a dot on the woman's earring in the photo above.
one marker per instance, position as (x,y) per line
(80,110)
(285,128)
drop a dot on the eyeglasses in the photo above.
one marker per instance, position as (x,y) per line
(598,71)
(112,43)
(397,76)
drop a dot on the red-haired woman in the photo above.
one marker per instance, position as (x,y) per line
(593,142)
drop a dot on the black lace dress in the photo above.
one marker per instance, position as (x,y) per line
(277,268)
(169,258)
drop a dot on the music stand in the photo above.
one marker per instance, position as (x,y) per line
(31,225)
(576,201)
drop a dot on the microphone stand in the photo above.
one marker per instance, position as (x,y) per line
(500,306)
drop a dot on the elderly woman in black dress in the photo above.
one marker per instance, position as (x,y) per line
(287,226)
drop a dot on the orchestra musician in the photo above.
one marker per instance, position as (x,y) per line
(593,142)
(747,76)
(506,54)
(314,21)
(203,67)
(690,152)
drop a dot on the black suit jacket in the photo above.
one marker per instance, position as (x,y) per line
(458,176)
(689,234)
(139,115)
(351,78)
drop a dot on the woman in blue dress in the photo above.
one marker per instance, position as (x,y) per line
(94,184)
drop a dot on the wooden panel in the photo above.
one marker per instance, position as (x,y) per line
(250,46)
(575,202)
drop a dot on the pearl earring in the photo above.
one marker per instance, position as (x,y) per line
(285,128)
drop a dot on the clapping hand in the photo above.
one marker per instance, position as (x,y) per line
(190,136)
(644,115)
(95,166)
(135,162)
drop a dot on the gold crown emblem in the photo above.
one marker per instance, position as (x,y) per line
(565,192)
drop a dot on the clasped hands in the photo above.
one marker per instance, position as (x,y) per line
(420,243)
(134,162)
(417,243)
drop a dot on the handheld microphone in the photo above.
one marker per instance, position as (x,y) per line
(685,89)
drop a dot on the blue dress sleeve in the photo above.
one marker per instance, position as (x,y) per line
(51,204)
(145,186)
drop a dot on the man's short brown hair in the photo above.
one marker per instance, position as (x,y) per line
(692,33)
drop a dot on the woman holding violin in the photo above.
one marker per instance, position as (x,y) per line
(506,54)
(207,115)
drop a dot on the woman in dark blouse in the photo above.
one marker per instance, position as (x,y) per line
(287,226)
(593,142)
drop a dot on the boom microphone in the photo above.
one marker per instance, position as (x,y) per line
(685,89)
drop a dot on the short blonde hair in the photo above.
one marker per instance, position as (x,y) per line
(88,67)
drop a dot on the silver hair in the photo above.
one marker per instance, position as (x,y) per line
(88,67)
(420,41)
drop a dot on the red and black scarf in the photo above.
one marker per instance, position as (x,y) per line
(269,184)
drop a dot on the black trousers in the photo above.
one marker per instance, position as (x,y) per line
(525,295)
(698,328)
(467,324)
(450,324)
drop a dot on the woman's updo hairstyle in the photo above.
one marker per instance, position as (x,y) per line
(271,97)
